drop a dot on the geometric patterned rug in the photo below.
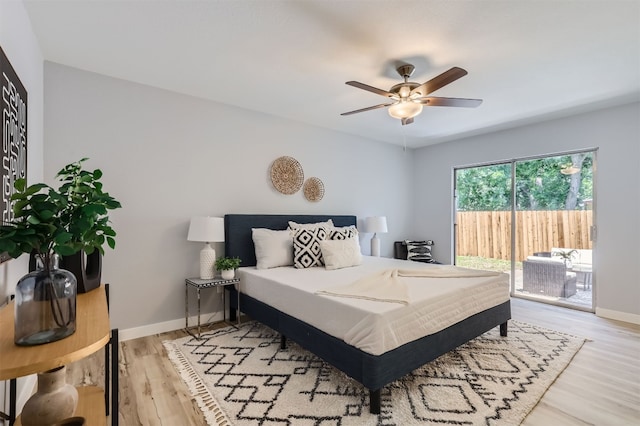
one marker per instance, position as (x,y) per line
(242,377)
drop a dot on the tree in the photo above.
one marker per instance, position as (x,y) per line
(539,185)
(484,188)
(575,180)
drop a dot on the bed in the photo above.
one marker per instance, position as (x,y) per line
(373,368)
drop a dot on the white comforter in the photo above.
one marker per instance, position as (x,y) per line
(391,285)
(433,303)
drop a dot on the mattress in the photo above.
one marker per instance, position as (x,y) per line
(374,327)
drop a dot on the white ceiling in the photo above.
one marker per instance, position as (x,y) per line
(528,60)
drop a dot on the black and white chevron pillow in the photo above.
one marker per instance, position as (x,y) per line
(342,233)
(306,247)
(418,250)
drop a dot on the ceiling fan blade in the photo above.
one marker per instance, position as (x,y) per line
(370,88)
(440,81)
(406,121)
(450,102)
(368,108)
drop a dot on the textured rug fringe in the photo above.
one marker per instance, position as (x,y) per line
(213,413)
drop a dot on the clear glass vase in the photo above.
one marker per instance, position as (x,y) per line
(45,305)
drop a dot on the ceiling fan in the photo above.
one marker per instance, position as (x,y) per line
(408,98)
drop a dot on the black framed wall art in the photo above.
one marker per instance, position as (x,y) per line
(14,136)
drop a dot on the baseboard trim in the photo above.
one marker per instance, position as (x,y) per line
(163,327)
(618,316)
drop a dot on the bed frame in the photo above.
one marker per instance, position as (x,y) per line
(373,371)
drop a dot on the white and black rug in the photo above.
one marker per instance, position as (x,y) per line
(241,377)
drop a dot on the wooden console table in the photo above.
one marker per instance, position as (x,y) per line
(92,333)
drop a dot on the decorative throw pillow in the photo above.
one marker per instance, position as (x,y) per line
(306,247)
(419,250)
(339,254)
(294,225)
(273,248)
(342,233)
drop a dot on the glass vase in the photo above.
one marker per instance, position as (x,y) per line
(45,305)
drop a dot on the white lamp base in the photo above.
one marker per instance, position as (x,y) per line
(375,246)
(207,262)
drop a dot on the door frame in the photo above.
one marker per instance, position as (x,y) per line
(592,231)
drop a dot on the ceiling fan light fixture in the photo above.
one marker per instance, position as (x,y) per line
(405,100)
(405,109)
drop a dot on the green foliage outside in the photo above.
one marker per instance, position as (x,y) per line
(484,188)
(539,185)
(485,263)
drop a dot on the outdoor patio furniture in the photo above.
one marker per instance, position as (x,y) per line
(581,263)
(542,253)
(586,272)
(547,276)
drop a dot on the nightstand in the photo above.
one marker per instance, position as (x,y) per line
(92,333)
(200,284)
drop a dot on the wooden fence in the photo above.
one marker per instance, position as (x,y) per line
(488,233)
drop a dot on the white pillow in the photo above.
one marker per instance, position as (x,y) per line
(273,248)
(295,225)
(339,254)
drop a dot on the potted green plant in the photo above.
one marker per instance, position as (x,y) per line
(227,266)
(49,223)
(88,224)
(566,255)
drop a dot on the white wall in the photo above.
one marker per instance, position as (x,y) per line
(21,47)
(167,157)
(615,131)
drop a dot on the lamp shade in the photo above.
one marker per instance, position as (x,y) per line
(206,229)
(405,109)
(375,224)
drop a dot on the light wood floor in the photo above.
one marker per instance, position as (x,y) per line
(601,386)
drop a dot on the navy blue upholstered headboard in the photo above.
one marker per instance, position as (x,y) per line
(238,241)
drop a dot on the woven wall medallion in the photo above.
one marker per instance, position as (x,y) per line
(313,189)
(286,175)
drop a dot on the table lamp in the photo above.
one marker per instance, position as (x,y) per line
(375,224)
(207,230)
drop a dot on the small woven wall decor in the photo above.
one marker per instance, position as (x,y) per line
(313,189)
(286,175)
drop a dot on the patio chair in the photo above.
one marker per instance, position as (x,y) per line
(548,277)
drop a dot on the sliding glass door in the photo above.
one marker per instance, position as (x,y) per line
(482,224)
(534,219)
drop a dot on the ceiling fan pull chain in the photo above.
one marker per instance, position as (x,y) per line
(404,139)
